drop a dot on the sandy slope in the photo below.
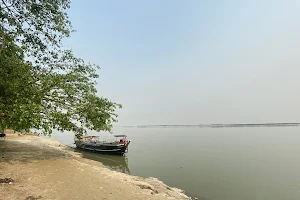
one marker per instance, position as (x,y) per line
(45,169)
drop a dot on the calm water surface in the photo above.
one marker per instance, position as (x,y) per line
(213,163)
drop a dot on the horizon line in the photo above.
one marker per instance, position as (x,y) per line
(214,124)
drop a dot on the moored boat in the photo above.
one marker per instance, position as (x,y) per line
(93,143)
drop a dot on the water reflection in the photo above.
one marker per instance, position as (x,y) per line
(117,163)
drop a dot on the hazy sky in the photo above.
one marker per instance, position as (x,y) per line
(193,61)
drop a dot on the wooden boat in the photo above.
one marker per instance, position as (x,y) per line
(118,146)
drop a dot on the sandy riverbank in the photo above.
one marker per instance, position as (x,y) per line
(45,169)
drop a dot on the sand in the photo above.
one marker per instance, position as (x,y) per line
(45,169)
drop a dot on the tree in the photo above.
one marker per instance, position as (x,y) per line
(42,85)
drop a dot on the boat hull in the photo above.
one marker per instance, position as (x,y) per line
(118,149)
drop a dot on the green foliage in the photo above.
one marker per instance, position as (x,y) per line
(43,86)
(18,103)
(36,24)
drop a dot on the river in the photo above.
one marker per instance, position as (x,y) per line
(256,163)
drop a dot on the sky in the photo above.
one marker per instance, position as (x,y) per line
(193,61)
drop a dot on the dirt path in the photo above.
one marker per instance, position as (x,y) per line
(44,169)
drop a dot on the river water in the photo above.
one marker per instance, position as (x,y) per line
(257,163)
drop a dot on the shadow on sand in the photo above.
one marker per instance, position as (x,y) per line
(11,151)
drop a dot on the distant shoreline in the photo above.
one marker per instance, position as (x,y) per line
(211,125)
